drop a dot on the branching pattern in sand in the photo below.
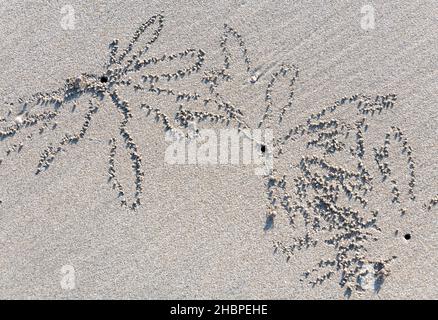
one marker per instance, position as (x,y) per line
(42,109)
(330,200)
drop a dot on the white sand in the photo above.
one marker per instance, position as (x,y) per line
(199,231)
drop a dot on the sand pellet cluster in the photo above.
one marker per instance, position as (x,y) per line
(326,192)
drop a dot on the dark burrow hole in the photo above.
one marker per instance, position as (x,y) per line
(408,236)
(263,148)
(104,79)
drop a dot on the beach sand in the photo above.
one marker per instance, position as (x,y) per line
(362,196)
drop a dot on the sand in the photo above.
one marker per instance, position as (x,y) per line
(343,204)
